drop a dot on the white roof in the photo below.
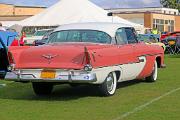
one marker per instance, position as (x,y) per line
(8,23)
(72,11)
(109,28)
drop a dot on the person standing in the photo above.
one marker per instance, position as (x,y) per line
(2,28)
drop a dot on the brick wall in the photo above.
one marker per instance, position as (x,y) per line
(177,23)
(6,9)
(10,12)
(27,10)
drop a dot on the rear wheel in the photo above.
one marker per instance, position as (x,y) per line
(42,88)
(154,74)
(108,87)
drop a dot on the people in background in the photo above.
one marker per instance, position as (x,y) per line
(155,31)
(148,31)
(2,28)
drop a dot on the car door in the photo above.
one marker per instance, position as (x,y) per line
(138,52)
(3,60)
(126,55)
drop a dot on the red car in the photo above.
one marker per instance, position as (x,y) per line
(92,53)
(172,34)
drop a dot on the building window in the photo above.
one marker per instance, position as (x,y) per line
(160,24)
(166,21)
(171,26)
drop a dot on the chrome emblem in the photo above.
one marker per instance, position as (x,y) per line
(49,57)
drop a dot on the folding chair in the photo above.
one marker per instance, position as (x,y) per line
(177,46)
(169,48)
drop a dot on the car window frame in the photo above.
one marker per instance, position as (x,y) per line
(126,42)
(135,38)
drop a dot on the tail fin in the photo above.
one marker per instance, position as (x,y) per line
(87,56)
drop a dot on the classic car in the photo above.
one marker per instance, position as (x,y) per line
(171,34)
(43,40)
(101,54)
(151,39)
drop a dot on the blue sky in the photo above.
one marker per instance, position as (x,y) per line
(102,3)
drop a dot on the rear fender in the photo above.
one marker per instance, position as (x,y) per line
(102,73)
(16,51)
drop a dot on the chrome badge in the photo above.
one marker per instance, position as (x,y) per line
(49,57)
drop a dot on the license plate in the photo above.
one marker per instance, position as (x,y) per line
(48,74)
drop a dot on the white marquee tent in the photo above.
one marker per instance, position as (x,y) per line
(72,11)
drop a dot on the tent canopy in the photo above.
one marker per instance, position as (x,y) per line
(71,11)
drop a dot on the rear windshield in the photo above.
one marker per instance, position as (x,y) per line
(80,36)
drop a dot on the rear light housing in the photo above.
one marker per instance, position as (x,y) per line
(11,61)
(87,66)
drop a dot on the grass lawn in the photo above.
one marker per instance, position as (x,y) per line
(18,102)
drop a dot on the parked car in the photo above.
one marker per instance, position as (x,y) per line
(151,39)
(91,53)
(38,35)
(43,40)
(169,34)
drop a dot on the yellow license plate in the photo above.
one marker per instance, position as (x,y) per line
(48,74)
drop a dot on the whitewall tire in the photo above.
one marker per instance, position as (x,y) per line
(154,74)
(108,87)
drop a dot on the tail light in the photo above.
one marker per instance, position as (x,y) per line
(88,66)
(10,58)
(87,56)
(11,61)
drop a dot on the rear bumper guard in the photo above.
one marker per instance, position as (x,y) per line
(81,78)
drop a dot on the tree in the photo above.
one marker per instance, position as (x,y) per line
(171,4)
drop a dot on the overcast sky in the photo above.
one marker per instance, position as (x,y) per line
(102,3)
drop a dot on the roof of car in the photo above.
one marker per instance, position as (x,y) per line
(45,29)
(109,28)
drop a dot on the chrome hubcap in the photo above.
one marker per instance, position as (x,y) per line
(110,83)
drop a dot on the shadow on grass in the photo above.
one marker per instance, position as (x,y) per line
(19,91)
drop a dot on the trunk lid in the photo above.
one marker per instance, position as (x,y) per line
(56,56)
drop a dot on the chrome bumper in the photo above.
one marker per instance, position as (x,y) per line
(70,77)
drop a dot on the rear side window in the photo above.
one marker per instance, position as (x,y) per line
(131,36)
(121,37)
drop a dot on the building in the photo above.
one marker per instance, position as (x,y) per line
(9,12)
(164,19)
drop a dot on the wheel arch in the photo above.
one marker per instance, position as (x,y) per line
(102,73)
(118,74)
(158,60)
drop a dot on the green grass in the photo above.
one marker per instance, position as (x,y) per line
(18,102)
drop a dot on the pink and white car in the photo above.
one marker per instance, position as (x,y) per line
(92,53)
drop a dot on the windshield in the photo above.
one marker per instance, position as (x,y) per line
(41,33)
(147,38)
(80,36)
